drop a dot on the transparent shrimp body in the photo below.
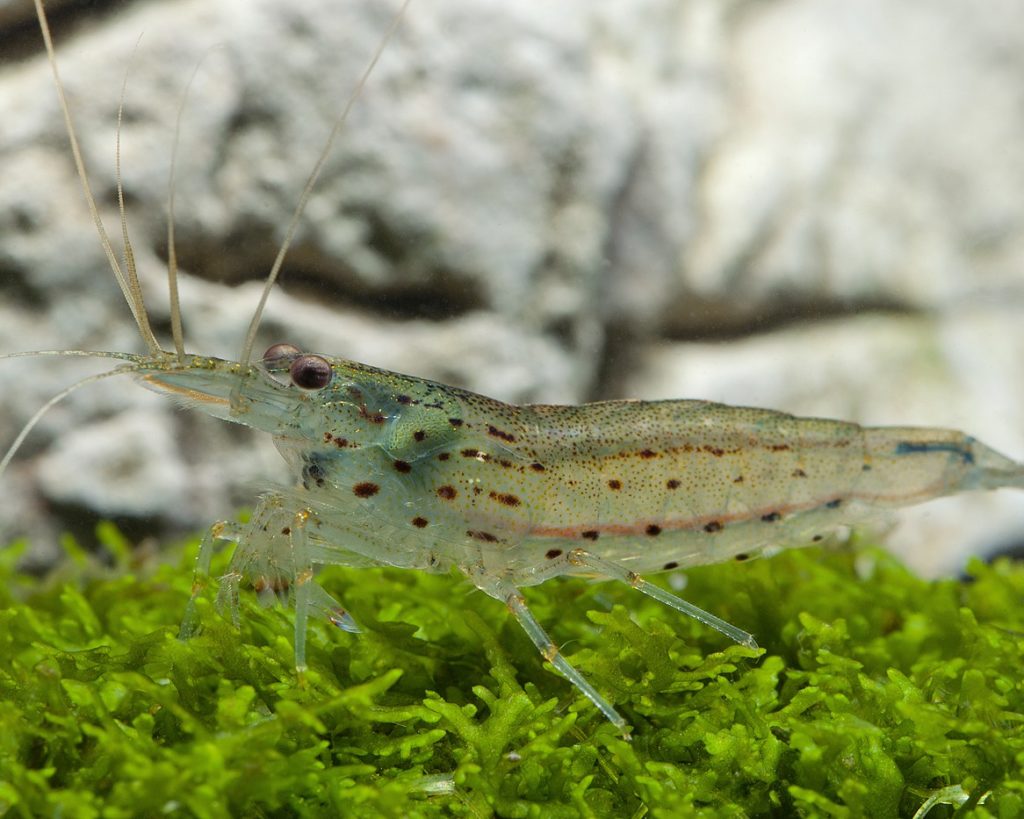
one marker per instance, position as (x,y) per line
(393,470)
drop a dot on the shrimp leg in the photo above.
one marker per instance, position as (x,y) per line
(517,606)
(272,550)
(309,596)
(221,530)
(571,563)
(581,558)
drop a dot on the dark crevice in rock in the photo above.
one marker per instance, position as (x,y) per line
(431,292)
(20,38)
(16,288)
(623,343)
(1011,549)
(618,358)
(443,295)
(709,321)
(80,522)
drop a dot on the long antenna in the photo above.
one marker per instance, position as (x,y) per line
(131,271)
(31,423)
(307,191)
(172,252)
(129,284)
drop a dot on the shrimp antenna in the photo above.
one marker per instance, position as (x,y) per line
(289,236)
(172,253)
(131,357)
(31,423)
(129,252)
(127,279)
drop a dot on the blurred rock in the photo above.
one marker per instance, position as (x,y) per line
(542,201)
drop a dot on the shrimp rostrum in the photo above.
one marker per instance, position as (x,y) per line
(394,470)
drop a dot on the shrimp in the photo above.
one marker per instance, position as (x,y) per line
(395,470)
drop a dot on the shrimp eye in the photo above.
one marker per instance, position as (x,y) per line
(276,352)
(311,372)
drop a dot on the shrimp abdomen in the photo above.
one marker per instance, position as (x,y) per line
(674,483)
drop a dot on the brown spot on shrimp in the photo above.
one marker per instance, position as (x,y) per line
(478,534)
(551,554)
(673,483)
(446,492)
(373,417)
(402,466)
(366,489)
(506,498)
(713,526)
(653,530)
(615,485)
(419,522)
(340,443)
(500,433)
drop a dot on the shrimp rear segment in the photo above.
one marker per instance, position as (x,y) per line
(669,484)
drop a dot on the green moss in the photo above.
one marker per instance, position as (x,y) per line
(875,693)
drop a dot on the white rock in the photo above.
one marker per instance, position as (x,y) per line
(526,193)
(126,465)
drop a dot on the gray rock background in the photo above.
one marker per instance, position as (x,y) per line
(810,205)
